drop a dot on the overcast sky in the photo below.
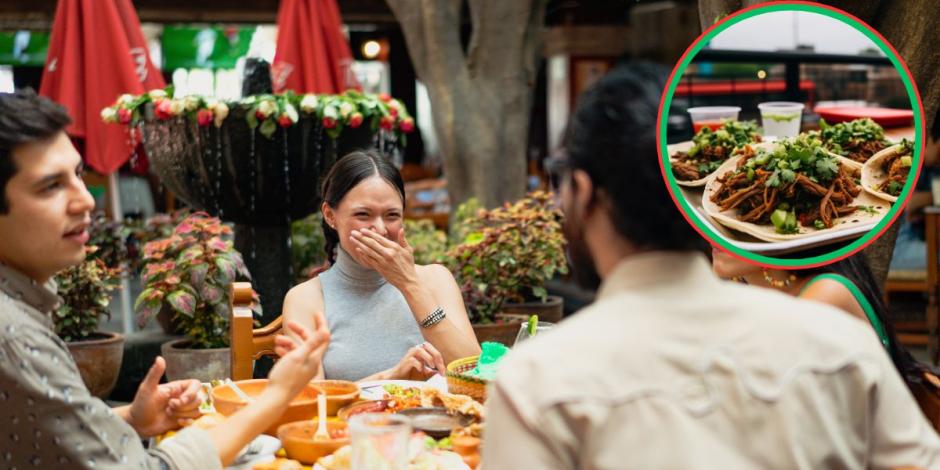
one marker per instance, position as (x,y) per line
(784,29)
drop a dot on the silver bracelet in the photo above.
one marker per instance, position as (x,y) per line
(433,318)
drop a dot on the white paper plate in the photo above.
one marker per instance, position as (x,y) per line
(372,389)
(267,446)
(745,242)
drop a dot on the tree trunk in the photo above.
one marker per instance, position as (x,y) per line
(913,29)
(480,99)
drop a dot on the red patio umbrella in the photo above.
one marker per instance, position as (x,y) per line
(97,52)
(312,54)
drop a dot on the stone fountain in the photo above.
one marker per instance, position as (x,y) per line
(258,183)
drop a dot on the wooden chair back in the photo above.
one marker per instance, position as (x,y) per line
(248,344)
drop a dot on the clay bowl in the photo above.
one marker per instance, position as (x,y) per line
(435,422)
(303,406)
(339,393)
(298,442)
(370,406)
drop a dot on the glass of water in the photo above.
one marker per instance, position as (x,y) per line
(525,334)
(379,441)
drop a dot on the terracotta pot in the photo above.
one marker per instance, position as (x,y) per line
(503,331)
(201,364)
(552,310)
(99,361)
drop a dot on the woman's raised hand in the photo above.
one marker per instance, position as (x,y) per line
(393,260)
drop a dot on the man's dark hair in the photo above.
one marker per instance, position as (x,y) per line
(612,137)
(25,117)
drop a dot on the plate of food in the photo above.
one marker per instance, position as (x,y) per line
(424,453)
(791,191)
(375,389)
(694,162)
(885,174)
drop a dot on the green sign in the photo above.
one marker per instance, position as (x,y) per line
(24,47)
(213,47)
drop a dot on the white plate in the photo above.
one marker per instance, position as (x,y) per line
(372,389)
(265,448)
(694,197)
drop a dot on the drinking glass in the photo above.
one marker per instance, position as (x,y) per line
(523,334)
(379,441)
(781,118)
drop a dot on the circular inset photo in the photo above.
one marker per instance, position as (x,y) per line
(791,134)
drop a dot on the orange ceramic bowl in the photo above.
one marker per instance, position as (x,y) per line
(371,406)
(298,442)
(339,393)
(304,406)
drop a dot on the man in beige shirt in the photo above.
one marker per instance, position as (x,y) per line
(49,418)
(671,368)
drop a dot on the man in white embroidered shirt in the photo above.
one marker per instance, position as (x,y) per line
(671,367)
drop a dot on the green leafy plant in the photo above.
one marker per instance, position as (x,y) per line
(140,232)
(86,293)
(429,243)
(507,255)
(307,245)
(110,238)
(189,272)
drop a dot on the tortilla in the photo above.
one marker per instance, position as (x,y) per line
(873,176)
(768,233)
(684,147)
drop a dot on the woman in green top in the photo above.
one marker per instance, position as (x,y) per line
(847,284)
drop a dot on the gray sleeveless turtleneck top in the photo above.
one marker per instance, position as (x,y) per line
(371,325)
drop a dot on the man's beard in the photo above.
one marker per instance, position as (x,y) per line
(582,263)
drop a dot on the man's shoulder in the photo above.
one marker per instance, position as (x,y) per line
(631,342)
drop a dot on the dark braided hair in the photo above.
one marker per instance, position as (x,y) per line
(345,175)
(25,117)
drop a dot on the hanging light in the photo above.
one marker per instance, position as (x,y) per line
(371,49)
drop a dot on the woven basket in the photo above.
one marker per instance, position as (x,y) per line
(460,382)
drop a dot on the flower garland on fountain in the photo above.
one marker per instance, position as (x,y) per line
(267,112)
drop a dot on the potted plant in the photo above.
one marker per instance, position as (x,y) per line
(502,264)
(141,232)
(86,294)
(430,244)
(307,247)
(189,273)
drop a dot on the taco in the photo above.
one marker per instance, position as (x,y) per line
(886,173)
(789,190)
(710,149)
(856,140)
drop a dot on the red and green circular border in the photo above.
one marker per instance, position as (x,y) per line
(689,213)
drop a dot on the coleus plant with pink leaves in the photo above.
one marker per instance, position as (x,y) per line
(269,112)
(189,273)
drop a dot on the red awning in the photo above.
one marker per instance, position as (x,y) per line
(727,87)
(312,54)
(97,52)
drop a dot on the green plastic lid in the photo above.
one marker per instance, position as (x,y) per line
(490,357)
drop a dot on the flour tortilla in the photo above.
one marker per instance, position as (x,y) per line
(685,147)
(873,176)
(729,218)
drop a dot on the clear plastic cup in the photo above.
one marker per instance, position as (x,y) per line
(379,441)
(781,118)
(712,116)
